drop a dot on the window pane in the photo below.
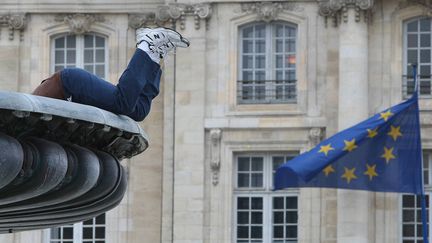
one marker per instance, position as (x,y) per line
(291,231)
(88,56)
(87,232)
(88,41)
(243,164)
(257,218)
(260,31)
(291,202)
(278,217)
(425,56)
(59,57)
(425,24)
(278,203)
(291,217)
(100,55)
(247,46)
(412,26)
(425,40)
(243,180)
(71,55)
(67,233)
(412,40)
(243,203)
(260,61)
(279,30)
(248,32)
(257,163)
(247,61)
(408,216)
(247,75)
(70,41)
(290,44)
(408,201)
(260,46)
(278,232)
(279,46)
(59,42)
(242,231)
(257,180)
(100,232)
(408,230)
(100,42)
(243,218)
(89,68)
(100,71)
(257,203)
(100,219)
(256,232)
(412,56)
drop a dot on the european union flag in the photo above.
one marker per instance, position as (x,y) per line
(382,153)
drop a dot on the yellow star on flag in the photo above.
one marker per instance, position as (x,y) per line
(394,132)
(386,115)
(349,145)
(349,174)
(372,133)
(329,169)
(325,149)
(388,154)
(371,171)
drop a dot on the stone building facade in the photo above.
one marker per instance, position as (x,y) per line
(261,82)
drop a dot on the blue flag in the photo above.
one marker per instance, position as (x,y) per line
(382,153)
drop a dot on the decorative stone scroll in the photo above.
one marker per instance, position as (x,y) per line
(269,11)
(316,134)
(173,13)
(79,23)
(14,22)
(215,139)
(338,9)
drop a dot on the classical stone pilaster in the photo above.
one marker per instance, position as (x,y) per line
(173,13)
(79,23)
(13,22)
(338,10)
(269,11)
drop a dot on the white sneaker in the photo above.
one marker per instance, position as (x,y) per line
(160,40)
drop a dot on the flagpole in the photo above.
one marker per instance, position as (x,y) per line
(423,197)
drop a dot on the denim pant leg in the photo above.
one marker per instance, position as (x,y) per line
(129,97)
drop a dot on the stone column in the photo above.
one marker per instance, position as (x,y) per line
(353,207)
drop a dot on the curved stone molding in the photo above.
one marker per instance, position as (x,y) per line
(14,21)
(268,11)
(79,23)
(316,134)
(215,138)
(426,5)
(178,12)
(337,9)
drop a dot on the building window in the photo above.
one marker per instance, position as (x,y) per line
(90,231)
(262,215)
(417,50)
(267,63)
(412,230)
(84,51)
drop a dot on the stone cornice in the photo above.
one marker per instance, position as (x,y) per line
(79,23)
(14,22)
(173,13)
(337,9)
(269,11)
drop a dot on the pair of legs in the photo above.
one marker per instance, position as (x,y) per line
(132,96)
(137,86)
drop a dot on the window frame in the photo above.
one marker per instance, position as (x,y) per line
(265,192)
(428,192)
(405,75)
(270,82)
(79,55)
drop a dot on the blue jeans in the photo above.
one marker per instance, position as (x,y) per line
(132,96)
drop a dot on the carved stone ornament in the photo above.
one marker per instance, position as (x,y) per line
(316,134)
(426,6)
(178,12)
(14,21)
(268,11)
(79,23)
(215,138)
(338,9)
